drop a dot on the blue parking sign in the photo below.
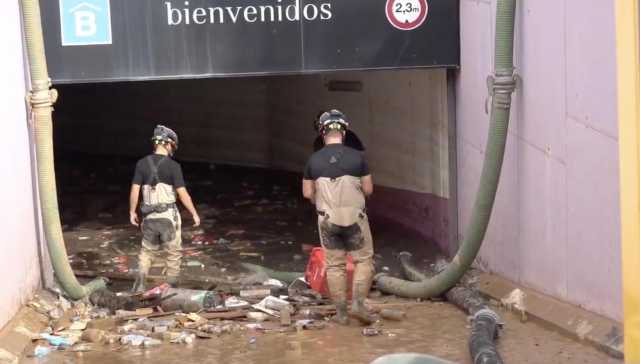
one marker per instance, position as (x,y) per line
(85,22)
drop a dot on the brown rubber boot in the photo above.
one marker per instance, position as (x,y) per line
(342,315)
(139,285)
(360,312)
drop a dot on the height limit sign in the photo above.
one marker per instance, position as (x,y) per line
(407,14)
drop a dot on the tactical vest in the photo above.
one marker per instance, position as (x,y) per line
(157,197)
(340,200)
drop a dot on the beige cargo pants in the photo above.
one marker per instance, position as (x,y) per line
(338,241)
(161,230)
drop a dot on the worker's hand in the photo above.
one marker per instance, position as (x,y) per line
(196,220)
(133,218)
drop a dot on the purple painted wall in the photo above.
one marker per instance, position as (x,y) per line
(555,225)
(19,263)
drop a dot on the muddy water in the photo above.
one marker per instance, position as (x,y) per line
(433,328)
(261,218)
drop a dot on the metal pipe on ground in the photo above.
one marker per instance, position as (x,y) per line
(501,86)
(486,322)
(41,99)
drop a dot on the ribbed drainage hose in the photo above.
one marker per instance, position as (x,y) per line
(502,86)
(41,99)
(485,324)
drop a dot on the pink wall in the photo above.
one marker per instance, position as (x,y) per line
(19,264)
(555,225)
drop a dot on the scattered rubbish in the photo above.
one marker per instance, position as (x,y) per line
(184,338)
(272,305)
(273,282)
(223,241)
(395,315)
(156,291)
(133,340)
(253,340)
(151,342)
(297,257)
(82,347)
(255,293)
(254,326)
(235,302)
(515,301)
(83,238)
(195,263)
(257,316)
(371,331)
(78,325)
(41,351)
(57,340)
(386,269)
(203,239)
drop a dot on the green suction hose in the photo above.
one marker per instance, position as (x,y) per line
(41,99)
(501,88)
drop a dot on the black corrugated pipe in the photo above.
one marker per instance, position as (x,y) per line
(501,88)
(486,322)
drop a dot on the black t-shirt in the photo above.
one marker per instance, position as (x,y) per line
(334,161)
(351,140)
(169,172)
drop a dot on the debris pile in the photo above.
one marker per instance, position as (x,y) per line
(166,315)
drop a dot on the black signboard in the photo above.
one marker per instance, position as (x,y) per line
(110,40)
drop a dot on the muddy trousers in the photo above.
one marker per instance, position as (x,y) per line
(338,241)
(161,231)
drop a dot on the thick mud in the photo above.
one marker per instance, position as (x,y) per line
(257,216)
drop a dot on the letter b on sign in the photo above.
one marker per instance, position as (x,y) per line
(85,22)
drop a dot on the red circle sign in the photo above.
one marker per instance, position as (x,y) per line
(407,14)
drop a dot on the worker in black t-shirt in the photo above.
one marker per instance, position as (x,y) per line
(337,180)
(160,179)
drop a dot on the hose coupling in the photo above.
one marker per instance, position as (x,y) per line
(490,314)
(42,95)
(501,86)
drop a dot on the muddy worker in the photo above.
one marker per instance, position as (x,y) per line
(337,180)
(161,180)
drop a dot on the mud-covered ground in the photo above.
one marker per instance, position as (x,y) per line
(257,216)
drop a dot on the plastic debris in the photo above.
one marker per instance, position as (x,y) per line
(256,293)
(254,327)
(272,305)
(257,316)
(195,263)
(235,302)
(133,340)
(151,342)
(371,331)
(184,338)
(57,340)
(41,351)
(273,282)
(156,291)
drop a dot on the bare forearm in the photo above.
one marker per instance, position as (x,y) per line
(134,196)
(186,200)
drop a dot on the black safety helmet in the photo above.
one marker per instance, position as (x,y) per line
(163,135)
(333,120)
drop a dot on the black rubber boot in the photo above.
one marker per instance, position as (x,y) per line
(360,312)
(342,314)
(173,281)
(139,284)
